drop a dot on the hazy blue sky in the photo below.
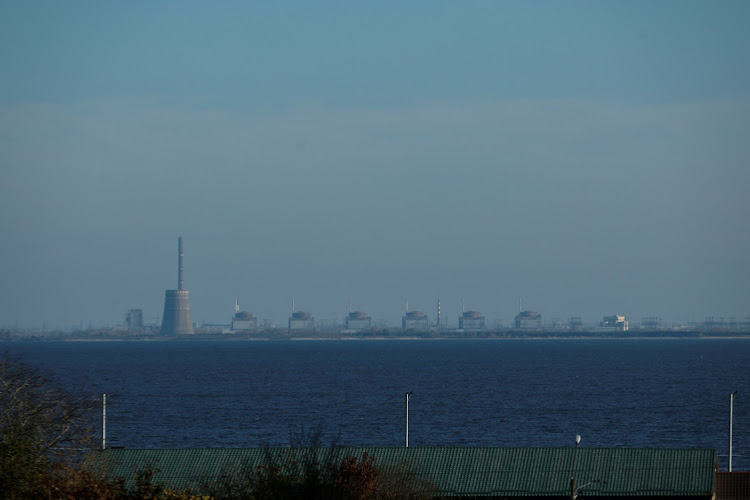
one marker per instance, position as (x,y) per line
(591,157)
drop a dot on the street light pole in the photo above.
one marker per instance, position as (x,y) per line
(104,421)
(573,494)
(731,412)
(408,395)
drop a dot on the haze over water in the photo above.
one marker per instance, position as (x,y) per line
(590,157)
(632,393)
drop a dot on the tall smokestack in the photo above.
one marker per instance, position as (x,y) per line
(176,319)
(180,268)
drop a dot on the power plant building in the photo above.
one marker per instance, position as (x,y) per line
(134,320)
(176,319)
(616,323)
(529,320)
(301,320)
(415,320)
(358,320)
(471,320)
(243,320)
(575,324)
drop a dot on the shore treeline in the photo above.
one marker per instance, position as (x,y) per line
(379,333)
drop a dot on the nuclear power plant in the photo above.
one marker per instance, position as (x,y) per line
(176,319)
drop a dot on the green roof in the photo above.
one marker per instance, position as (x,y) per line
(459,471)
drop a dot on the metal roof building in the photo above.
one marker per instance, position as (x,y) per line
(461,472)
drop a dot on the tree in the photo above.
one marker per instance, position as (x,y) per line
(71,482)
(309,470)
(45,430)
(41,424)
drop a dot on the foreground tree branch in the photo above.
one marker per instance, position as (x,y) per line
(41,424)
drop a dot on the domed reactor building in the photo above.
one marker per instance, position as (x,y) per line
(176,319)
(357,321)
(471,320)
(415,320)
(301,320)
(529,320)
(243,320)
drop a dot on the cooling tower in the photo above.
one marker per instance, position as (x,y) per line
(176,319)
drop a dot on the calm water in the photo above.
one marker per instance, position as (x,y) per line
(653,393)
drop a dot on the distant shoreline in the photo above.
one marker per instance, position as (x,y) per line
(263,337)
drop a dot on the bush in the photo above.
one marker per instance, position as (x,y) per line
(41,425)
(312,473)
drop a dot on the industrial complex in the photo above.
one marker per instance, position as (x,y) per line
(176,320)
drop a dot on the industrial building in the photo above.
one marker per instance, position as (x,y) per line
(243,320)
(651,323)
(615,323)
(471,320)
(301,320)
(176,319)
(358,320)
(134,319)
(415,320)
(529,320)
(575,324)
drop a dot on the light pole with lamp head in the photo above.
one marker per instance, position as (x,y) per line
(573,494)
(573,488)
(408,395)
(731,411)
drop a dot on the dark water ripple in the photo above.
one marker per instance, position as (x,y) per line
(655,393)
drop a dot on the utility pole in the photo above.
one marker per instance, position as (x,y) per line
(408,395)
(573,494)
(104,421)
(731,411)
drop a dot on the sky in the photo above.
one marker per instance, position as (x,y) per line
(591,158)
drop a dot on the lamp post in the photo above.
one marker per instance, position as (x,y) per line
(573,490)
(731,411)
(104,421)
(408,395)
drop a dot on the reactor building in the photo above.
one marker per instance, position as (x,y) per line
(358,320)
(243,320)
(301,320)
(176,319)
(529,320)
(415,320)
(471,320)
